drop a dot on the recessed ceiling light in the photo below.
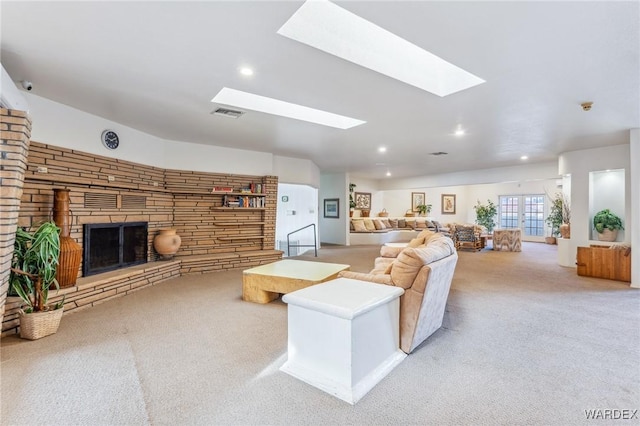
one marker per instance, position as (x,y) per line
(388,173)
(246,71)
(253,102)
(332,29)
(524,157)
(459,132)
(382,149)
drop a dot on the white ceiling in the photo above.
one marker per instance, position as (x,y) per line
(155,66)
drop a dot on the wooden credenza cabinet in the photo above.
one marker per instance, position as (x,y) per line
(604,262)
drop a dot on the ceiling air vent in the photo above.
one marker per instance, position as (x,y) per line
(225,112)
(439,153)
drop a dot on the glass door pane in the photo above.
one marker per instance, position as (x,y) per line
(533,216)
(525,212)
(508,212)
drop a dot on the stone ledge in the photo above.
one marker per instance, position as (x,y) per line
(95,289)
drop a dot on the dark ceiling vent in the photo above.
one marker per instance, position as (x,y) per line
(439,153)
(225,112)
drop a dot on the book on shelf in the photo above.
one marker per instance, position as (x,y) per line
(222,189)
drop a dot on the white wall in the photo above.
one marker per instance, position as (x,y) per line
(296,170)
(633,221)
(10,96)
(579,164)
(607,191)
(63,126)
(60,125)
(520,173)
(334,231)
(298,211)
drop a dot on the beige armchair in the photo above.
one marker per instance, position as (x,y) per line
(425,273)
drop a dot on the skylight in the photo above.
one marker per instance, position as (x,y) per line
(332,29)
(259,103)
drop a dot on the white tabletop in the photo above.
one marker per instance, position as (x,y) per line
(298,269)
(343,297)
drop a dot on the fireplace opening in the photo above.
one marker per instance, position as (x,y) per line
(110,246)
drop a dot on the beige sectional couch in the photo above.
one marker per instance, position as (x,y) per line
(381,230)
(424,269)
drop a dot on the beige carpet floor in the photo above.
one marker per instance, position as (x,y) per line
(524,341)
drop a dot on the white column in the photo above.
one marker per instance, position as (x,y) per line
(634,222)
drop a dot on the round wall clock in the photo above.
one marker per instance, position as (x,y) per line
(110,139)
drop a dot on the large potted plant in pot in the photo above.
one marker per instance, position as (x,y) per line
(606,225)
(33,273)
(485,215)
(555,218)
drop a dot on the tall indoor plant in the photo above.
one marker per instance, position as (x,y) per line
(352,202)
(33,273)
(485,215)
(555,218)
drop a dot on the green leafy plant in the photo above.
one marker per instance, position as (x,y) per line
(485,215)
(424,208)
(33,266)
(605,219)
(352,202)
(556,214)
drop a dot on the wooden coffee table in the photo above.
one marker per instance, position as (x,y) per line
(265,283)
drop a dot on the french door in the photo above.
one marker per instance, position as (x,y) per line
(525,212)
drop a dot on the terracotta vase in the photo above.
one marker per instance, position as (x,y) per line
(167,243)
(70,250)
(565,230)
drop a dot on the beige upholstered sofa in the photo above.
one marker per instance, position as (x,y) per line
(424,269)
(380,230)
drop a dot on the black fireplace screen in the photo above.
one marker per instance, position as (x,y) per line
(109,246)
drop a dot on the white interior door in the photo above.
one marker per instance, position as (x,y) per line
(525,212)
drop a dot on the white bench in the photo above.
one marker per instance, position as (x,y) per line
(344,336)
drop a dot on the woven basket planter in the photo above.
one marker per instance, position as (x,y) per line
(36,325)
(608,235)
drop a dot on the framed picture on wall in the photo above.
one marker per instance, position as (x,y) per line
(417,199)
(448,203)
(332,208)
(363,200)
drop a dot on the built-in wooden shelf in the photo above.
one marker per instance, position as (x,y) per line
(237,223)
(238,208)
(254,237)
(244,194)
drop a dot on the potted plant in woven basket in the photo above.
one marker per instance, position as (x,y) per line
(606,225)
(424,209)
(33,273)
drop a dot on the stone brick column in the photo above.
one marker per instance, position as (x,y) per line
(269,242)
(15,134)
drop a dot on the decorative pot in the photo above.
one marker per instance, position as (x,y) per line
(70,251)
(364,213)
(36,325)
(565,230)
(608,235)
(167,243)
(550,240)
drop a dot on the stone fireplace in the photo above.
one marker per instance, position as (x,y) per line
(110,246)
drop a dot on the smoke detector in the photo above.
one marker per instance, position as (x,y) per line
(226,112)
(586,106)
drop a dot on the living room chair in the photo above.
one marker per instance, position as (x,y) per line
(467,238)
